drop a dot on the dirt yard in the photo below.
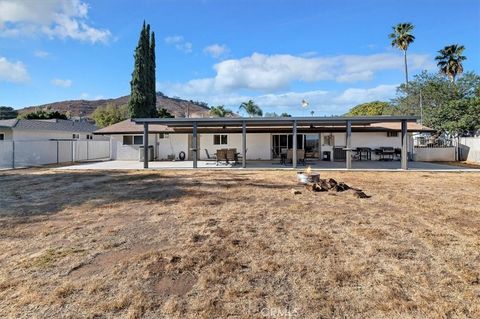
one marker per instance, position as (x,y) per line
(238,244)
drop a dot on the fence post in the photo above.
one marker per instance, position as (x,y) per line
(13,153)
(87,151)
(57,154)
(73,155)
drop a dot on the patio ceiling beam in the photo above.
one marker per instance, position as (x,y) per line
(272,121)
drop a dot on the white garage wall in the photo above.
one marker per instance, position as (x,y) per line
(6,154)
(470,149)
(128,152)
(258,145)
(172,145)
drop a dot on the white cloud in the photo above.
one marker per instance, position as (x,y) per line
(15,72)
(357,96)
(216,50)
(322,102)
(41,54)
(272,73)
(179,42)
(62,82)
(54,18)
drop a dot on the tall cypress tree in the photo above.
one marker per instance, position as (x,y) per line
(142,101)
(153,79)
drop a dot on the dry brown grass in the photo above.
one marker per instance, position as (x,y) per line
(217,244)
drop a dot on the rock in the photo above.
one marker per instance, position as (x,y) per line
(296,192)
(360,194)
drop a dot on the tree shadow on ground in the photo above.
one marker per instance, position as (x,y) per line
(33,193)
(23,195)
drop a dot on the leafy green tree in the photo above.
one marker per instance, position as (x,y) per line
(220,111)
(110,114)
(444,109)
(402,37)
(251,108)
(274,114)
(450,60)
(163,113)
(142,101)
(7,112)
(44,115)
(371,109)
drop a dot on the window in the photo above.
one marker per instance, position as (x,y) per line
(2,136)
(163,135)
(220,140)
(89,137)
(133,140)
(392,134)
(75,136)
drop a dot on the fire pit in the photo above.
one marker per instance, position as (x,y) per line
(308,176)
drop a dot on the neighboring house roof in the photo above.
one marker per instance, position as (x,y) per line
(129,127)
(49,125)
(8,123)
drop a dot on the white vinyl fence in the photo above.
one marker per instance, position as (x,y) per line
(469,149)
(16,154)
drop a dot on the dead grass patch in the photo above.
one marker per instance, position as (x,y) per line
(216,244)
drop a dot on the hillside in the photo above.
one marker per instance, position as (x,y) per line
(85,108)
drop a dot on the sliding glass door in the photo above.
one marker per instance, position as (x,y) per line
(283,142)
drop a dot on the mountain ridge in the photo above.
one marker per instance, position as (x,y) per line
(85,108)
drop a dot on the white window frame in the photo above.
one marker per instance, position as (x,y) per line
(392,134)
(163,136)
(132,139)
(221,139)
(75,136)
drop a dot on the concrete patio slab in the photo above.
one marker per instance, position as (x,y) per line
(269,165)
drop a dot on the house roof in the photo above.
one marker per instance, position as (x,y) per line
(130,127)
(49,125)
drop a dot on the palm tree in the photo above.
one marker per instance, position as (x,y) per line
(251,108)
(220,111)
(401,38)
(450,61)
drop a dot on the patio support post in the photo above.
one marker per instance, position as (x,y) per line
(294,151)
(244,144)
(348,144)
(404,145)
(145,145)
(194,145)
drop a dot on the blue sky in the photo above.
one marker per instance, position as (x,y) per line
(335,54)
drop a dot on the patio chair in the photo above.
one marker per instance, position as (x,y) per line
(221,156)
(232,155)
(240,156)
(300,156)
(210,157)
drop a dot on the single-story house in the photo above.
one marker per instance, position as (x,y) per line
(51,129)
(265,139)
